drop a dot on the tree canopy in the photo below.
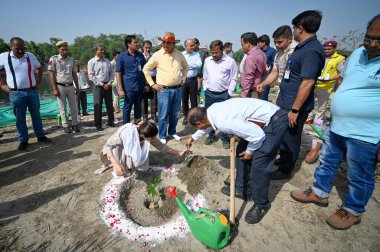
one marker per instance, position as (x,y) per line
(81,49)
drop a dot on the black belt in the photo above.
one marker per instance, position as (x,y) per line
(192,78)
(279,113)
(216,93)
(24,89)
(64,85)
(172,87)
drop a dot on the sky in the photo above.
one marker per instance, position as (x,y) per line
(40,20)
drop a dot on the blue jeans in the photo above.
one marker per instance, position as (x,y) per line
(21,101)
(265,93)
(169,106)
(132,98)
(361,160)
(211,98)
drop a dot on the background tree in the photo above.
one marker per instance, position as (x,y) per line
(238,55)
(4,47)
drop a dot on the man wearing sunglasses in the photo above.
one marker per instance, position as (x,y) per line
(353,135)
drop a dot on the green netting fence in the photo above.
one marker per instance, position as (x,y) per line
(49,109)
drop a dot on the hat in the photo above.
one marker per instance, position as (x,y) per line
(61,43)
(169,37)
(196,41)
(330,43)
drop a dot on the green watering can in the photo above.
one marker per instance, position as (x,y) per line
(209,227)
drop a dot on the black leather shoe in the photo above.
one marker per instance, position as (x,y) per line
(255,214)
(22,146)
(44,139)
(184,122)
(277,162)
(99,128)
(66,130)
(227,181)
(76,128)
(112,125)
(277,175)
(85,114)
(226,191)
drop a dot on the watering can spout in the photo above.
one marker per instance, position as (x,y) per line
(186,212)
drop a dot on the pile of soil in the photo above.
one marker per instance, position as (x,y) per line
(193,174)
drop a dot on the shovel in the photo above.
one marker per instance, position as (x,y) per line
(232,181)
(189,158)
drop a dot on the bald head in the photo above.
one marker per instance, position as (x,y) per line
(372,38)
(189,45)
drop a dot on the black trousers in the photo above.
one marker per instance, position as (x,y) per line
(100,94)
(254,175)
(290,147)
(82,101)
(153,101)
(189,90)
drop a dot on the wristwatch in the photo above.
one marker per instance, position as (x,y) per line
(294,111)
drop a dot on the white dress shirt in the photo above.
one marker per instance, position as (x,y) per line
(24,76)
(231,117)
(219,76)
(194,61)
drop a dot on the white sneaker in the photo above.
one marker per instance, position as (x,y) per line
(163,141)
(176,137)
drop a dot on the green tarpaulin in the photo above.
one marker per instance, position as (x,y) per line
(48,109)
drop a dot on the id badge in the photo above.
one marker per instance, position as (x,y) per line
(287,74)
(139,68)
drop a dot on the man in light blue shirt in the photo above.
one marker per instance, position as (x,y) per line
(354,134)
(261,126)
(190,87)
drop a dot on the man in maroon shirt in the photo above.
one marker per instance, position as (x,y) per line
(254,65)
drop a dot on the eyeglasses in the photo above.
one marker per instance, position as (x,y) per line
(369,40)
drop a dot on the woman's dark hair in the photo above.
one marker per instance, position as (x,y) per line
(148,129)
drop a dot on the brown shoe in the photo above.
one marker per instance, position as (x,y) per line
(309,196)
(342,219)
(312,155)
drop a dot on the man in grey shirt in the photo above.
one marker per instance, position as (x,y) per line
(100,72)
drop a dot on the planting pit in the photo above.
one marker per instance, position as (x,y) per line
(125,201)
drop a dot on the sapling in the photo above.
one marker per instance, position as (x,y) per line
(151,188)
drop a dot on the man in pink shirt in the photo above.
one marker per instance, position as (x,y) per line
(254,67)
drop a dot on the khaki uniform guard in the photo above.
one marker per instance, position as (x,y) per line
(62,75)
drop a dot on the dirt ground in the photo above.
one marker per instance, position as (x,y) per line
(50,197)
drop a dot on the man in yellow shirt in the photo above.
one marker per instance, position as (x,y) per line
(172,70)
(334,63)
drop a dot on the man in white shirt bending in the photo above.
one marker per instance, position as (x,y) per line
(261,127)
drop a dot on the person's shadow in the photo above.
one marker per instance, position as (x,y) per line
(39,158)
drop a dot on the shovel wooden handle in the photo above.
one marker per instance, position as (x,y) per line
(232,181)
